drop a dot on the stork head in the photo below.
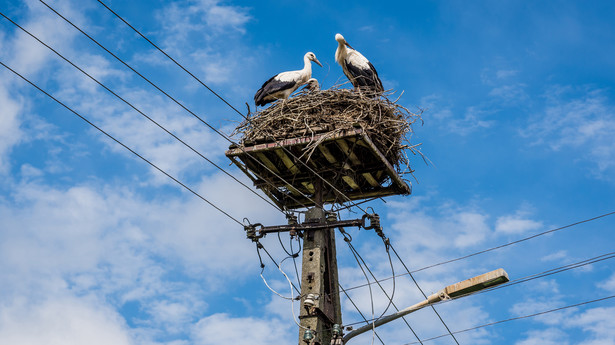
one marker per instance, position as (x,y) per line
(312,57)
(342,41)
(312,85)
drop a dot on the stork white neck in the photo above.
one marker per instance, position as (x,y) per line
(307,67)
(341,52)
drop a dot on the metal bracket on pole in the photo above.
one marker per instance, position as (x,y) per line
(251,231)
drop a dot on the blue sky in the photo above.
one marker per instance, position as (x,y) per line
(98,247)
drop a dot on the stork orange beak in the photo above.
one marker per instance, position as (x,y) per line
(318,62)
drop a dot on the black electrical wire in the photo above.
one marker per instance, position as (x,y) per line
(140,112)
(166,94)
(356,254)
(295,258)
(123,145)
(493,248)
(531,277)
(371,296)
(519,318)
(291,255)
(359,311)
(422,292)
(394,286)
(515,242)
(552,271)
(226,102)
(275,262)
(182,106)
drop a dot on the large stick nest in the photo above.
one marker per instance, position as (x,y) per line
(388,124)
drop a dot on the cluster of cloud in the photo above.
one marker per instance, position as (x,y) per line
(578,119)
(73,256)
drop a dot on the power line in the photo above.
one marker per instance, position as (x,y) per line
(168,96)
(137,110)
(357,257)
(517,241)
(422,292)
(275,262)
(519,318)
(552,271)
(123,145)
(360,313)
(183,107)
(492,248)
(227,103)
(534,276)
(169,57)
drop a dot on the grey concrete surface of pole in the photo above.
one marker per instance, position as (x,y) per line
(457,290)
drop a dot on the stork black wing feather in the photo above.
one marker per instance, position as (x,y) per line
(269,87)
(365,77)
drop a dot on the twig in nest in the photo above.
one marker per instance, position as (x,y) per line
(388,124)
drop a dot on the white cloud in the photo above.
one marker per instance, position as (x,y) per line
(549,336)
(10,131)
(506,73)
(108,241)
(557,256)
(510,93)
(515,224)
(61,321)
(426,227)
(609,284)
(224,17)
(519,222)
(598,322)
(215,28)
(584,123)
(221,329)
(470,121)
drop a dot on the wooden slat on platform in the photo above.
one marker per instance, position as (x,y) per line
(347,159)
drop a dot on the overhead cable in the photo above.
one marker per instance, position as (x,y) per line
(227,103)
(491,249)
(123,145)
(519,318)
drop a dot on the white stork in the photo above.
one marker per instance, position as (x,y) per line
(312,85)
(281,85)
(356,67)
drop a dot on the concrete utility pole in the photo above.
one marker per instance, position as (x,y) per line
(320,302)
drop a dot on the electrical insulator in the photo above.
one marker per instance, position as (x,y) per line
(308,336)
(337,330)
(309,300)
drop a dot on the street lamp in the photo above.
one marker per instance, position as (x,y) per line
(457,290)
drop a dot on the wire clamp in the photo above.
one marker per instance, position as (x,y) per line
(252,232)
(374,221)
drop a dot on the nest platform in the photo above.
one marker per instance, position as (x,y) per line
(336,145)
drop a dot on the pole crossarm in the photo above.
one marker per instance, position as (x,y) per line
(257,230)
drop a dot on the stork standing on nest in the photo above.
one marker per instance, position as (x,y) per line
(356,67)
(281,85)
